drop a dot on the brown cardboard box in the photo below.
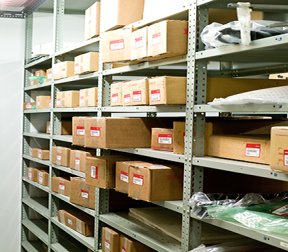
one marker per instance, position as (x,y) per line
(116,45)
(82,194)
(66,127)
(78,130)
(126,94)
(150,182)
(43,177)
(39,153)
(178,137)
(61,186)
(92,21)
(88,97)
(43,102)
(100,171)
(63,69)
(32,174)
(86,63)
(139,90)
(109,133)
(110,240)
(114,13)
(162,139)
(167,90)
(78,160)
(61,156)
(122,175)
(116,94)
(49,74)
(168,38)
(67,99)
(29,105)
(75,220)
(139,43)
(129,245)
(38,73)
(279,149)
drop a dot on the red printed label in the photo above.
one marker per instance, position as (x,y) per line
(84,193)
(138,179)
(107,245)
(127,98)
(155,95)
(116,44)
(95,131)
(61,186)
(80,131)
(138,42)
(165,139)
(137,96)
(124,177)
(253,150)
(285,158)
(115,98)
(77,162)
(94,171)
(123,249)
(156,38)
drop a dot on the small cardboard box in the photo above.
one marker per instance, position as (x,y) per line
(78,130)
(116,94)
(63,70)
(61,156)
(167,90)
(88,97)
(67,99)
(75,220)
(78,160)
(43,177)
(109,133)
(139,44)
(100,171)
(29,105)
(139,90)
(86,63)
(43,102)
(114,13)
(168,38)
(162,139)
(39,153)
(110,240)
(116,45)
(150,182)
(66,127)
(178,137)
(279,149)
(61,186)
(126,94)
(82,194)
(49,74)
(39,73)
(122,176)
(32,174)
(92,21)
(129,245)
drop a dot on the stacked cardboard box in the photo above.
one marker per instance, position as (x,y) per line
(63,70)
(92,21)
(39,77)
(78,130)
(116,94)
(67,99)
(32,174)
(43,177)
(86,63)
(61,185)
(39,153)
(78,160)
(43,102)
(88,97)
(61,156)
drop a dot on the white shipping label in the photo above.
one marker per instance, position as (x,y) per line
(123,250)
(138,179)
(127,98)
(253,150)
(285,157)
(107,245)
(165,139)
(58,157)
(138,42)
(95,131)
(137,96)
(156,39)
(80,131)
(124,177)
(94,172)
(155,95)
(61,186)
(39,155)
(69,222)
(84,194)
(77,162)
(40,178)
(115,98)
(117,45)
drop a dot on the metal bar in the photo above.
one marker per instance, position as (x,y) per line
(269,7)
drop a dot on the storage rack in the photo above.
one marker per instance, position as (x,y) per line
(50,231)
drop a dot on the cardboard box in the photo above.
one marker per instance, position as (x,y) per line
(168,38)
(116,45)
(78,130)
(279,149)
(110,240)
(139,44)
(92,21)
(126,94)
(75,220)
(139,90)
(32,174)
(162,139)
(109,133)
(29,105)
(78,160)
(61,156)
(49,74)
(61,186)
(151,182)
(63,70)
(178,137)
(86,63)
(129,245)
(116,94)
(122,175)
(39,153)
(39,73)
(43,177)
(88,97)
(82,194)
(43,102)
(67,99)
(100,171)
(66,127)
(167,90)
(114,13)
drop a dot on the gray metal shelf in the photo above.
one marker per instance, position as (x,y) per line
(44,86)
(37,135)
(36,111)
(40,205)
(142,233)
(146,109)
(36,160)
(63,138)
(67,200)
(45,61)
(43,188)
(69,170)
(253,169)
(176,206)
(224,3)
(38,228)
(86,241)
(76,110)
(78,78)
(32,246)
(58,247)
(164,155)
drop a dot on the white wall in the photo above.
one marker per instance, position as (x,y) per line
(11,82)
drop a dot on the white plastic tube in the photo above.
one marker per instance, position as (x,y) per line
(244,17)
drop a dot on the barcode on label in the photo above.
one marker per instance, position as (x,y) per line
(138,179)
(137,96)
(115,98)
(94,171)
(155,95)
(156,38)
(80,131)
(138,42)
(95,131)
(124,177)
(84,194)
(61,186)
(165,139)
(253,150)
(116,44)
